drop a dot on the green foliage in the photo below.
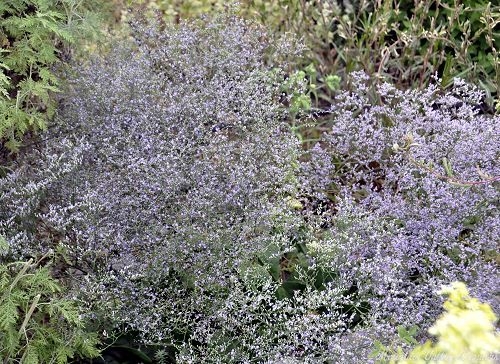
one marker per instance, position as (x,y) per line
(403,42)
(312,21)
(455,38)
(38,325)
(296,87)
(34,37)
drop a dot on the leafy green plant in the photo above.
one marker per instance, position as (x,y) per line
(39,325)
(405,336)
(34,36)
(455,38)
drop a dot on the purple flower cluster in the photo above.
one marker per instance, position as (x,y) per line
(170,163)
(415,179)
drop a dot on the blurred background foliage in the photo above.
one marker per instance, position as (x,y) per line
(404,42)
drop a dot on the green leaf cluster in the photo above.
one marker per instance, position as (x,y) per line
(34,36)
(37,324)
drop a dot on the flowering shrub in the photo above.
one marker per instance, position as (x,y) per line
(170,166)
(415,181)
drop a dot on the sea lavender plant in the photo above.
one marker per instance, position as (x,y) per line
(170,166)
(171,174)
(415,178)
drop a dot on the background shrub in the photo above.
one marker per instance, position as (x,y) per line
(401,42)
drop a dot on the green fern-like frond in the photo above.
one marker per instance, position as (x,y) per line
(48,77)
(4,280)
(10,343)
(42,281)
(62,353)
(8,314)
(37,324)
(86,344)
(67,310)
(32,33)
(30,355)
(4,80)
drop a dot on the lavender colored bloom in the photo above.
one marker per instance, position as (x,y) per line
(422,176)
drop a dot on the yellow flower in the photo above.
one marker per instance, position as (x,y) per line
(465,331)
